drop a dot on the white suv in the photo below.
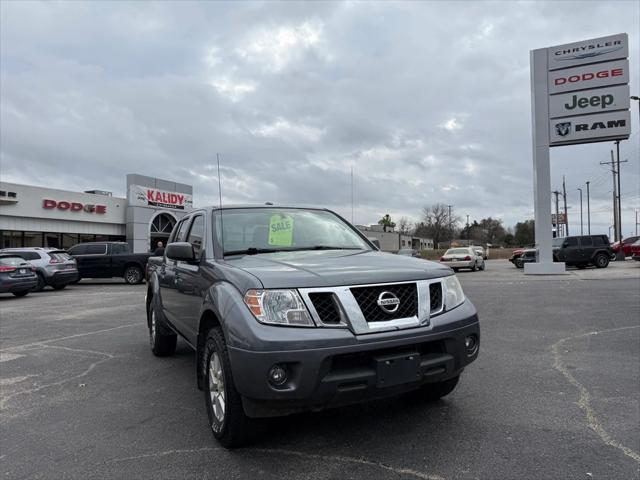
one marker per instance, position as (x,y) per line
(54,267)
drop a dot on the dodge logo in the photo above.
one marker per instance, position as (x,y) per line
(563,128)
(388,302)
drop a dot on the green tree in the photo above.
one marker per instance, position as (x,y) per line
(524,233)
(386,222)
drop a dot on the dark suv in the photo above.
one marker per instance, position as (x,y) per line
(580,251)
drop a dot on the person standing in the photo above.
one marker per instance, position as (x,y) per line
(159,251)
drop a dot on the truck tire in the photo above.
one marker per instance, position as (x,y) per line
(133,275)
(163,343)
(601,260)
(41,283)
(519,263)
(228,422)
(432,392)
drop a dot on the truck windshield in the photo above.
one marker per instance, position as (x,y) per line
(265,230)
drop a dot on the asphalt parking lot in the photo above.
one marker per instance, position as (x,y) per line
(554,394)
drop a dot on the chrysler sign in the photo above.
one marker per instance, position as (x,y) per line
(153,197)
(588,51)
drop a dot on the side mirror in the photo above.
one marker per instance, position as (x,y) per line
(181,251)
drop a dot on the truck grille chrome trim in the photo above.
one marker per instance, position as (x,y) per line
(355,306)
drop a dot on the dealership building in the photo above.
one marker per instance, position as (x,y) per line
(33,216)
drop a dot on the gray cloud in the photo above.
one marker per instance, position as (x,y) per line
(427,102)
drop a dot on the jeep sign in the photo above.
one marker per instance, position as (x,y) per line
(589,128)
(589,101)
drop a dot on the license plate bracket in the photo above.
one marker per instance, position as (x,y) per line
(397,369)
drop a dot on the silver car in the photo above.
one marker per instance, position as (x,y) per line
(463,257)
(53,266)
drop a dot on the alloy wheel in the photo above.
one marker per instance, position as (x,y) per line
(216,387)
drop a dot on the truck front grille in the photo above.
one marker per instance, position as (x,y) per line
(326,305)
(435,295)
(367,298)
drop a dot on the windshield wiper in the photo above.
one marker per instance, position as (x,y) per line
(327,247)
(253,251)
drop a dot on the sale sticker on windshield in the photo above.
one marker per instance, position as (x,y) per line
(281,230)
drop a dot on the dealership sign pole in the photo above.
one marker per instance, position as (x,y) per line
(579,94)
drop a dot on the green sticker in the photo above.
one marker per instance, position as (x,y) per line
(281,230)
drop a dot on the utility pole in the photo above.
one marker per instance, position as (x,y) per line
(588,212)
(636,222)
(556,193)
(581,227)
(615,195)
(468,227)
(566,217)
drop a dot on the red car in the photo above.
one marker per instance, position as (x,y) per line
(635,251)
(627,246)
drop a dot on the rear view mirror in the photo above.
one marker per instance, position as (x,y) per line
(182,251)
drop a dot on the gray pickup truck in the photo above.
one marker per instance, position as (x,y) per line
(292,309)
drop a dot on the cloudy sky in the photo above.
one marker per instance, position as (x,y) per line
(426,101)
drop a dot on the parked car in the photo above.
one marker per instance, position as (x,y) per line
(17,276)
(528,255)
(409,252)
(463,257)
(581,251)
(480,251)
(54,267)
(625,245)
(635,251)
(293,309)
(109,259)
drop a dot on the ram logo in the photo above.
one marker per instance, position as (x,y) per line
(563,129)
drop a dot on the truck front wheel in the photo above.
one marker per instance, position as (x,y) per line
(229,424)
(163,343)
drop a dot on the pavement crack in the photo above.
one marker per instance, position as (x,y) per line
(278,451)
(585,397)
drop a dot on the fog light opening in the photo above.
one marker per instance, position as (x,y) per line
(471,344)
(277,375)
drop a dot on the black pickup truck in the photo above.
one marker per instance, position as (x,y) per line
(109,259)
(292,309)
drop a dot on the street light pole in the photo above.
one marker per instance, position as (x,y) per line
(588,212)
(581,228)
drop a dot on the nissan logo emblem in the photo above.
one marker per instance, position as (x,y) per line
(388,302)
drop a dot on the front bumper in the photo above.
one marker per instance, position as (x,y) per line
(459,263)
(62,277)
(18,284)
(342,372)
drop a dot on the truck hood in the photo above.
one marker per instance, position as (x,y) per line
(307,269)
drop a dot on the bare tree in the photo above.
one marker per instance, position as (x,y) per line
(404,226)
(437,223)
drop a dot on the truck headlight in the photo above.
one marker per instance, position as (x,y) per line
(278,307)
(453,294)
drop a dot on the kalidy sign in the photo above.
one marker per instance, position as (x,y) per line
(153,197)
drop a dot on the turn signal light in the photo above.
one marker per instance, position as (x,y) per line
(4,268)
